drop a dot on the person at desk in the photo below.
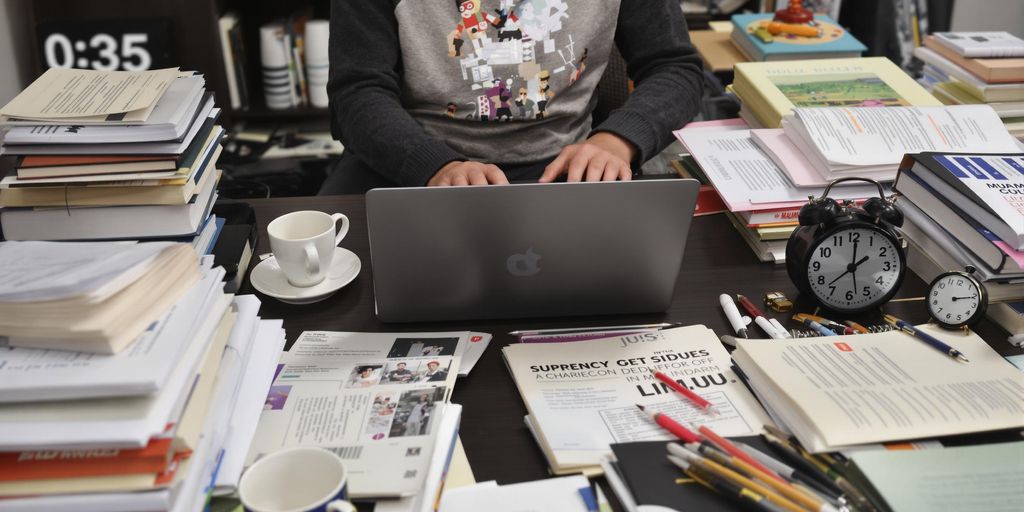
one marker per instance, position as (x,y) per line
(421,93)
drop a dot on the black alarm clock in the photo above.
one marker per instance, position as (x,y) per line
(956,299)
(850,259)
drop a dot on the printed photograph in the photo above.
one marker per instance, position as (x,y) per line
(401,372)
(276,398)
(382,413)
(364,376)
(435,370)
(838,90)
(423,347)
(415,414)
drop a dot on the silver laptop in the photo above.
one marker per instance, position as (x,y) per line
(514,251)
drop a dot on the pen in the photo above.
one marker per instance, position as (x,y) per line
(672,426)
(601,328)
(821,329)
(725,487)
(927,338)
(727,447)
(780,485)
(758,317)
(733,315)
(713,467)
(789,453)
(789,472)
(778,327)
(833,326)
(857,327)
(779,439)
(698,400)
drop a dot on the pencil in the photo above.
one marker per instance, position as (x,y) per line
(731,449)
(782,486)
(677,429)
(724,472)
(725,487)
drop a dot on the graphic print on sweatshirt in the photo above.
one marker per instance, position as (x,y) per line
(512,56)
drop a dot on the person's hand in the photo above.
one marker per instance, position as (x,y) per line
(603,157)
(468,173)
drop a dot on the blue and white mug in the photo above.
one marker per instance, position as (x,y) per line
(296,480)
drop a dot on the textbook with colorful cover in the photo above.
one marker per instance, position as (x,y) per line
(582,396)
(773,89)
(834,42)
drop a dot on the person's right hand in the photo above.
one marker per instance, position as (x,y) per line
(468,173)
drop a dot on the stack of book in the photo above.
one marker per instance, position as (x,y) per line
(769,90)
(825,39)
(155,426)
(965,209)
(966,68)
(117,170)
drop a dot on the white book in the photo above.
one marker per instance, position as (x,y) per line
(839,392)
(982,44)
(141,369)
(110,422)
(173,115)
(225,24)
(978,88)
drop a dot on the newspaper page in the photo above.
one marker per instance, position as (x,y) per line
(582,395)
(86,95)
(375,399)
(837,392)
(862,136)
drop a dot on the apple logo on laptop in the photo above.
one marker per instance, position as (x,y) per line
(524,265)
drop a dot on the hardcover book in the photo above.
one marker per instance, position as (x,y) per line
(834,42)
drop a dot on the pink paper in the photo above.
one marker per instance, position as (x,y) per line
(785,154)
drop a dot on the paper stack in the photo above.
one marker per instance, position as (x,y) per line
(964,209)
(966,68)
(112,155)
(153,427)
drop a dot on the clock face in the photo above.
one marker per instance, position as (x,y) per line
(854,268)
(954,299)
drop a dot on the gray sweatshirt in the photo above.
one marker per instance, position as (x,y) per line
(415,84)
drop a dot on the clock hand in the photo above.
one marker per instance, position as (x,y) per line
(852,267)
(854,271)
(961,298)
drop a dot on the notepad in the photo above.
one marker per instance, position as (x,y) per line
(983,478)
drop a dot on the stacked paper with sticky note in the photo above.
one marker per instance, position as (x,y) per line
(149,428)
(111,155)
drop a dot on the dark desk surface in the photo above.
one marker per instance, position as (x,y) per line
(497,443)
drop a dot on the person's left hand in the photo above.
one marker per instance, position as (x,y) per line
(602,157)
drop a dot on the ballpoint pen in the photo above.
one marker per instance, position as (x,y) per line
(821,329)
(697,400)
(759,318)
(833,326)
(778,327)
(857,327)
(715,468)
(736,320)
(927,338)
(725,487)
(789,472)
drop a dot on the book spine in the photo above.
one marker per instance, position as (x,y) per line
(708,202)
(33,465)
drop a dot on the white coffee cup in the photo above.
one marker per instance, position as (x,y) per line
(303,244)
(298,479)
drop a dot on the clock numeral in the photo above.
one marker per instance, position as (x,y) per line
(866,292)
(940,310)
(959,282)
(886,266)
(942,286)
(935,302)
(880,282)
(67,53)
(854,237)
(821,279)
(871,241)
(882,252)
(131,48)
(831,291)
(106,46)
(837,241)
(849,295)
(974,305)
(816,266)
(825,252)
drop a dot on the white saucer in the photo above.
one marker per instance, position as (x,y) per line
(268,279)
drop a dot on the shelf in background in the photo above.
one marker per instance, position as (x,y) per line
(290,114)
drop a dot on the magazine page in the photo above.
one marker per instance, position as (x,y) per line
(375,399)
(582,395)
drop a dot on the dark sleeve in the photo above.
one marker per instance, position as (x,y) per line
(365,99)
(666,69)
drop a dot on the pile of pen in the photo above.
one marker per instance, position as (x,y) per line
(817,325)
(804,482)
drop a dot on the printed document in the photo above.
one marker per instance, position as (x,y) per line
(744,175)
(872,388)
(864,136)
(90,96)
(375,399)
(582,395)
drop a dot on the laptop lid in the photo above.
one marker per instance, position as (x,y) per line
(512,251)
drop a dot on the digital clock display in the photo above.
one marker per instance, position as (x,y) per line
(127,45)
